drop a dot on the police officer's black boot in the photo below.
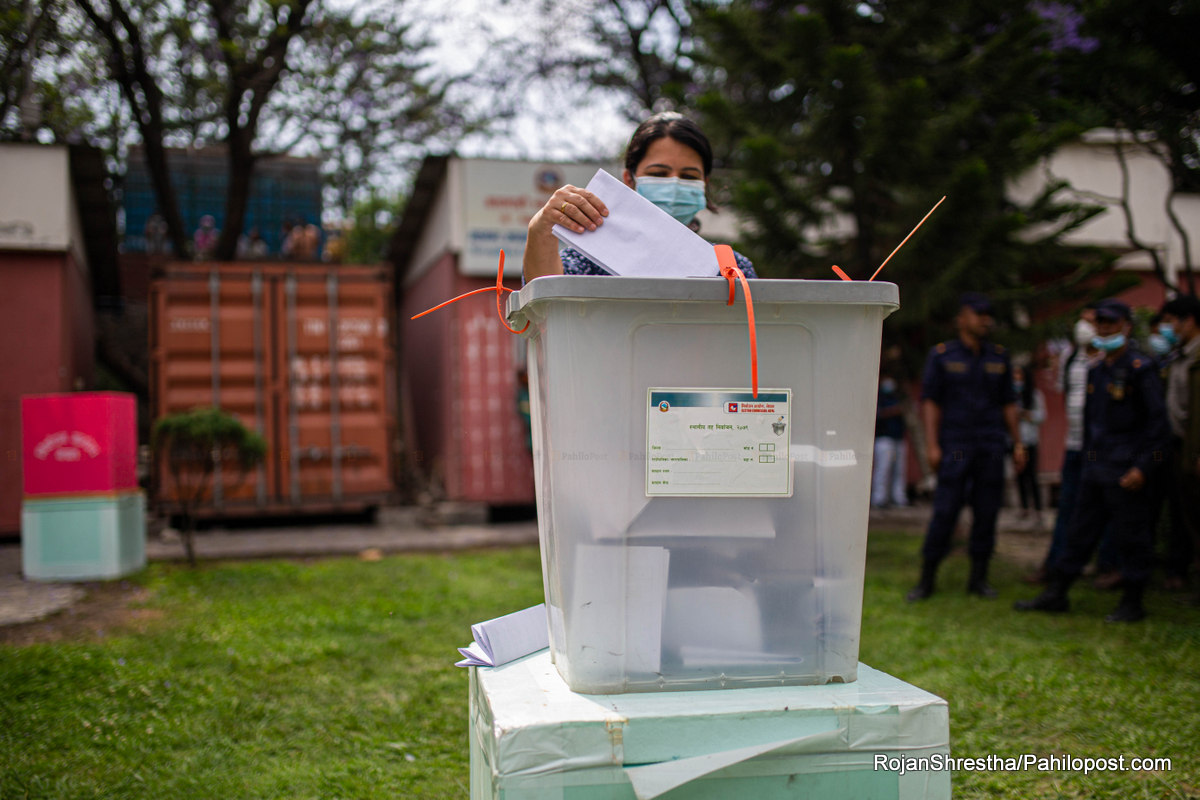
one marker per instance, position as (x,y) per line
(1052,599)
(978,583)
(924,587)
(1130,609)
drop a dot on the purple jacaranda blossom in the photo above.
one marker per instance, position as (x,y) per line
(1064,22)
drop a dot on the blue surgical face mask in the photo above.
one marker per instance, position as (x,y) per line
(682,199)
(1167,331)
(1160,345)
(1109,343)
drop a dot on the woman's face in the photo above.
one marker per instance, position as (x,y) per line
(668,158)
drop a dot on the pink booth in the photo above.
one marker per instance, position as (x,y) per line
(83,514)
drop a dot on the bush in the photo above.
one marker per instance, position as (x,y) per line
(192,444)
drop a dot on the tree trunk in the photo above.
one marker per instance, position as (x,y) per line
(168,203)
(188,534)
(241,163)
(128,67)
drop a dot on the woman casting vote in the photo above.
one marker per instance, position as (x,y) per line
(668,161)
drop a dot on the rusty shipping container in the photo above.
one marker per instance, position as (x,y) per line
(459,365)
(301,353)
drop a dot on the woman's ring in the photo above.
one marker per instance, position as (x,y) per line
(563,208)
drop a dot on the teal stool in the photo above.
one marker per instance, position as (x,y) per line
(84,537)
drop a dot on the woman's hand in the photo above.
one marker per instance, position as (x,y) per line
(575,209)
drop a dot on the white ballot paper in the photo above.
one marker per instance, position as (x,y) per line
(640,239)
(617,599)
(504,639)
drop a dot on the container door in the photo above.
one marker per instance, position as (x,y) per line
(208,348)
(337,362)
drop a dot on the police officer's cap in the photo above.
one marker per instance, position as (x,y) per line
(977,302)
(1113,311)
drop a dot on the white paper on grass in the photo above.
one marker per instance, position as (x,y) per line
(638,238)
(504,639)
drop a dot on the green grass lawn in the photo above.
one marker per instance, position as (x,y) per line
(1022,683)
(333,679)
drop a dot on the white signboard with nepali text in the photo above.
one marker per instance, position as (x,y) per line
(499,199)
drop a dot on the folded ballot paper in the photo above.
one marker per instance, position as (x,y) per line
(638,238)
(507,638)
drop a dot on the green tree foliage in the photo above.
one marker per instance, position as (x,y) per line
(352,83)
(638,49)
(25,27)
(374,223)
(49,87)
(847,121)
(1134,66)
(193,446)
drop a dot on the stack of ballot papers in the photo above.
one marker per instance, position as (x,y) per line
(638,238)
(504,639)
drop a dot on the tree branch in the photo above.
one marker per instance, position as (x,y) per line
(1127,211)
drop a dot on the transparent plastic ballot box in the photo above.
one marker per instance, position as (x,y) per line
(697,534)
(532,738)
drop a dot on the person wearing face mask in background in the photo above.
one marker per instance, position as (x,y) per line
(888,486)
(1125,443)
(1073,385)
(1180,328)
(1161,343)
(667,161)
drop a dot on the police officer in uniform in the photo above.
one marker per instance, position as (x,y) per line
(1125,442)
(970,412)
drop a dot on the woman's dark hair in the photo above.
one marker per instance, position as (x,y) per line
(668,124)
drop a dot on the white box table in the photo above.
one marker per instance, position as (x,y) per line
(532,738)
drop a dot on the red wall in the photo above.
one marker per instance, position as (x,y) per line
(46,345)
(461,385)
(425,368)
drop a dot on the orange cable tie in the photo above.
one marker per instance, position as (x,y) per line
(499,289)
(906,238)
(453,300)
(730,271)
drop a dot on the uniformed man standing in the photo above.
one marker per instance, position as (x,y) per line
(1181,389)
(970,413)
(1125,443)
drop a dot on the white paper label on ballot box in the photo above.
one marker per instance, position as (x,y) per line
(718,443)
